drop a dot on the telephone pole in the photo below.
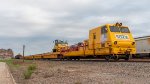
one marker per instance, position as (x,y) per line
(23,52)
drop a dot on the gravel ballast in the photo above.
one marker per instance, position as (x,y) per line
(86,72)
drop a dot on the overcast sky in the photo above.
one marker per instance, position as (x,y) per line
(36,23)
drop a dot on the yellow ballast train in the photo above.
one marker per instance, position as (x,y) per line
(110,41)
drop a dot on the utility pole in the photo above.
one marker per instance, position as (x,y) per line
(23,52)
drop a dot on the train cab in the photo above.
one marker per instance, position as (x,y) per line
(112,41)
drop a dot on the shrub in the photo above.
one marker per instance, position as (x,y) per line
(27,74)
(32,67)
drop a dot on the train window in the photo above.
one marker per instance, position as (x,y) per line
(103,34)
(104,30)
(94,36)
(124,30)
(114,29)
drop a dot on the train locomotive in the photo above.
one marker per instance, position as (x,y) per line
(110,41)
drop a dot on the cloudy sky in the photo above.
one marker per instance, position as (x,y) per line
(36,23)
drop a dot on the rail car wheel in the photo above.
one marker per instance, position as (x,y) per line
(69,58)
(107,58)
(61,59)
(127,57)
(116,58)
(78,59)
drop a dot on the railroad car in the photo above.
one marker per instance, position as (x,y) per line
(29,57)
(110,41)
(143,46)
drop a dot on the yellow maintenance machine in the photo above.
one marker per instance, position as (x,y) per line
(110,41)
(60,45)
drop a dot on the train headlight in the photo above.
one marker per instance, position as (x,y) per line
(115,42)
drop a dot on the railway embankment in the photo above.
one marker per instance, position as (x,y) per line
(135,71)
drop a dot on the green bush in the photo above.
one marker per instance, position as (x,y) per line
(27,74)
(32,67)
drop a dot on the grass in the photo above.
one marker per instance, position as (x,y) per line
(16,63)
(31,68)
(10,62)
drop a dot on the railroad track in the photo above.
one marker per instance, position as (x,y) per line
(103,60)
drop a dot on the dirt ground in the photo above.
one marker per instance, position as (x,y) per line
(85,72)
